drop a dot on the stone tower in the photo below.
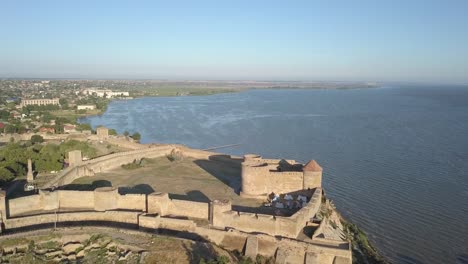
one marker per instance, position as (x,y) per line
(30,175)
(312,175)
(102,132)
(74,158)
(217,210)
(254,176)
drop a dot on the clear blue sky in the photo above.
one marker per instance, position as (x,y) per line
(394,40)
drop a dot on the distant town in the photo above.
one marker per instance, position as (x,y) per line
(50,106)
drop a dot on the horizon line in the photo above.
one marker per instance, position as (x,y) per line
(379,83)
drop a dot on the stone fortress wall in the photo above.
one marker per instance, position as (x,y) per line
(156,211)
(102,199)
(218,213)
(225,217)
(111,161)
(90,167)
(27,136)
(272,235)
(261,177)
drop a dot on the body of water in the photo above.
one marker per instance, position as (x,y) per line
(395,159)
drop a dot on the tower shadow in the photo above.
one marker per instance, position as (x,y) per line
(224,168)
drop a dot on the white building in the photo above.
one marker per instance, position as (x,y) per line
(86,107)
(25,102)
(105,93)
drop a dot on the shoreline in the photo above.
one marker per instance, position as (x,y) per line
(226,91)
(364,251)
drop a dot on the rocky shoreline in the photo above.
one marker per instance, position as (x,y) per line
(363,251)
(335,227)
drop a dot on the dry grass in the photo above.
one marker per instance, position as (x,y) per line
(198,180)
(172,250)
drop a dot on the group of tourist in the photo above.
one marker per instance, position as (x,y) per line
(287,201)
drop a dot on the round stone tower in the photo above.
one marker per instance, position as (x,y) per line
(254,175)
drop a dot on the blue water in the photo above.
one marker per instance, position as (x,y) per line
(395,159)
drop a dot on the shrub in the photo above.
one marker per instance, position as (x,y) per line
(6,175)
(174,156)
(132,166)
(37,139)
(136,136)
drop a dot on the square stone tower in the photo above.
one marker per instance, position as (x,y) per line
(74,158)
(102,132)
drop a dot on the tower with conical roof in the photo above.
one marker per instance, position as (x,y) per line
(312,175)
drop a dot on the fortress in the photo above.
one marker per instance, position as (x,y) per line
(261,177)
(217,221)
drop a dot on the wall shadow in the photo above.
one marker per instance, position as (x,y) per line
(15,189)
(86,187)
(308,231)
(137,189)
(194,195)
(264,210)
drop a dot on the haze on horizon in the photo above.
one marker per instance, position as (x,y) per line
(415,41)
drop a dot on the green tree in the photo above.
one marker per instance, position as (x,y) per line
(5,175)
(58,129)
(85,148)
(10,129)
(84,126)
(5,115)
(37,139)
(126,133)
(136,136)
(50,158)
(112,132)
(63,103)
(46,117)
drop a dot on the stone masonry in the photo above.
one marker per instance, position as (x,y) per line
(261,177)
(74,158)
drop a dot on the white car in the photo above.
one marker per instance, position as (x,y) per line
(29,187)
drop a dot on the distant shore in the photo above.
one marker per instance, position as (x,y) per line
(220,88)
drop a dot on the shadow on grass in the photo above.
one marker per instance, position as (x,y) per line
(200,251)
(224,168)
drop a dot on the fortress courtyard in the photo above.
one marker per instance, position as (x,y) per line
(199,180)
